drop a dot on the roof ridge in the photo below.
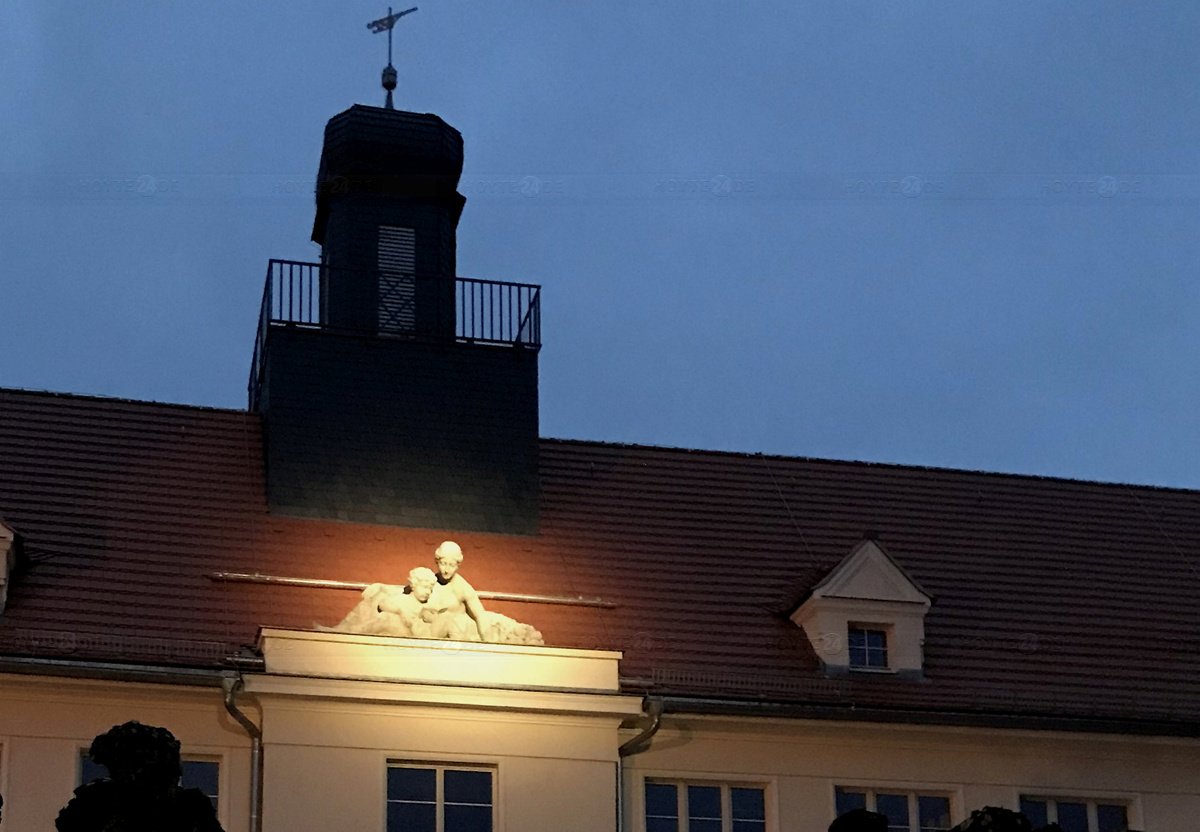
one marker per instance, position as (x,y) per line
(854,463)
(900,466)
(54,394)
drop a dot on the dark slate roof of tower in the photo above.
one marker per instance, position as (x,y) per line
(1054,598)
(378,151)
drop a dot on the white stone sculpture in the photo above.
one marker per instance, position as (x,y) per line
(441,605)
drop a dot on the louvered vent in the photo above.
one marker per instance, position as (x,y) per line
(397,280)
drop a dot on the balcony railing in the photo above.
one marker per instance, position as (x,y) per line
(395,305)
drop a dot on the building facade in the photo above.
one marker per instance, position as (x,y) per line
(724,642)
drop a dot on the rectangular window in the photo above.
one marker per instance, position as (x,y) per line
(439,799)
(705,807)
(906,811)
(1076,815)
(89,770)
(204,775)
(868,648)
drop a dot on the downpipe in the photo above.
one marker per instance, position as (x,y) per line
(233,685)
(636,745)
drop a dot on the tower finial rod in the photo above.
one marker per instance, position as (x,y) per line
(385,24)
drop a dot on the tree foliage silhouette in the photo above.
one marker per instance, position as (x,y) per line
(142,792)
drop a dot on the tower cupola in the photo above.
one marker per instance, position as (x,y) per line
(391,390)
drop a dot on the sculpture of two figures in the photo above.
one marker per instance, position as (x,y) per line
(434,605)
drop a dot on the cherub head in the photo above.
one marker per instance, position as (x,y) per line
(421,582)
(448,556)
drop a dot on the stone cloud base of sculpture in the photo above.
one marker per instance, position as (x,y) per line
(433,605)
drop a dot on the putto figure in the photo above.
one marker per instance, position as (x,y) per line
(433,605)
(411,604)
(387,610)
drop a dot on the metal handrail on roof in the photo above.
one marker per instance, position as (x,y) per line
(489,312)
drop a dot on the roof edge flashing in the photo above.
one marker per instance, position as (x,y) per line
(1074,723)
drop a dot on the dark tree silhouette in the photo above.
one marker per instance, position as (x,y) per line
(995,819)
(860,820)
(141,793)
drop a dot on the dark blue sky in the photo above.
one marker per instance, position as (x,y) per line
(943,233)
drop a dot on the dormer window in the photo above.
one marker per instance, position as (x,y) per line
(867,614)
(868,648)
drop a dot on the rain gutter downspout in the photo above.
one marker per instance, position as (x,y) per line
(654,710)
(234,685)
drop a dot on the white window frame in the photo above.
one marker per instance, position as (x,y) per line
(909,791)
(441,768)
(869,627)
(724,783)
(1132,814)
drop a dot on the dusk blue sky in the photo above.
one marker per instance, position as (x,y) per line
(959,234)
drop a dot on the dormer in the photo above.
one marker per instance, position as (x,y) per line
(8,560)
(867,616)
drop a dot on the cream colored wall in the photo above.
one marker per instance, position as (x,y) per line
(800,763)
(326,756)
(45,721)
(326,762)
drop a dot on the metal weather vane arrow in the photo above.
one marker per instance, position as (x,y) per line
(386,24)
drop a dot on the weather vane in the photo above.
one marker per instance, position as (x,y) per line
(385,24)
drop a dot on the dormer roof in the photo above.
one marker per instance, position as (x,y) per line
(870,573)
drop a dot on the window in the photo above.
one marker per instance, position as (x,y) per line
(905,811)
(89,770)
(1076,815)
(439,799)
(197,774)
(705,807)
(203,775)
(868,648)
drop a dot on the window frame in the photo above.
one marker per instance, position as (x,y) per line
(868,627)
(909,790)
(440,767)
(724,782)
(1092,801)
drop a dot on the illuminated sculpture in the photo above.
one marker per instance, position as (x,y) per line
(441,605)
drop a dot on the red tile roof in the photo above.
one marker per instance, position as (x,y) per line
(1054,598)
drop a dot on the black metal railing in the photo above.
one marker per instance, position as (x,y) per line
(394,305)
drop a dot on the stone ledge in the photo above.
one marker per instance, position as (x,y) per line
(436,661)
